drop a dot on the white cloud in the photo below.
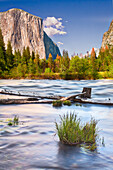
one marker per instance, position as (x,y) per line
(60,43)
(52,31)
(53,26)
(59,19)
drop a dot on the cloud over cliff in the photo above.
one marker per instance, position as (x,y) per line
(53,26)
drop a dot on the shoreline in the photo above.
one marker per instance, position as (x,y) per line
(59,76)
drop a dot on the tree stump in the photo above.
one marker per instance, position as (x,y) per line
(87,92)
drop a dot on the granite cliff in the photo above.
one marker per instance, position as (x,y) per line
(108,36)
(24,29)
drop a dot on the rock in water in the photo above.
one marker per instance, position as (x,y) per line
(108,36)
(24,29)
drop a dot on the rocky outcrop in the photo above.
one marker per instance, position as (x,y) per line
(108,36)
(50,47)
(24,29)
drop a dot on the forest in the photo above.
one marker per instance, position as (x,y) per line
(30,66)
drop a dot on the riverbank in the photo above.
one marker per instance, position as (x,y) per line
(62,76)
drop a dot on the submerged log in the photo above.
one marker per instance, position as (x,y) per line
(86,93)
(31,96)
(94,102)
(72,97)
(23,101)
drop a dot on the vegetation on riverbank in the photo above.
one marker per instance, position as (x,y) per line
(72,132)
(30,66)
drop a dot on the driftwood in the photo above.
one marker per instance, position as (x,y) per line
(94,102)
(23,101)
(82,98)
(31,96)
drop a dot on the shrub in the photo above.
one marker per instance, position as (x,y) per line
(57,103)
(71,132)
(67,102)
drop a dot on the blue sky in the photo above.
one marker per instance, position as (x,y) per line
(81,23)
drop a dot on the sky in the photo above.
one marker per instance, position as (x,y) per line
(74,25)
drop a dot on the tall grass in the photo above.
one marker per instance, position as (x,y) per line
(72,132)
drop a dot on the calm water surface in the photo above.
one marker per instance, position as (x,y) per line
(33,145)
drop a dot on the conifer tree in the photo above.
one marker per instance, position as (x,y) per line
(50,62)
(2,61)
(2,50)
(94,64)
(33,55)
(2,44)
(9,55)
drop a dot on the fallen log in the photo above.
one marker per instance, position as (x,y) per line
(94,102)
(86,93)
(23,101)
(72,97)
(31,96)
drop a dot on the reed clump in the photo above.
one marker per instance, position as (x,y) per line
(57,103)
(14,121)
(72,132)
(67,102)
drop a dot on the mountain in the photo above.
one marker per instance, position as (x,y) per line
(23,29)
(108,36)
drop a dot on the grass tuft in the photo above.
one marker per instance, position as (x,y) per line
(67,102)
(71,131)
(57,103)
(14,122)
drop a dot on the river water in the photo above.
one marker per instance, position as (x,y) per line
(33,144)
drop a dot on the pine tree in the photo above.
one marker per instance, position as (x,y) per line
(2,61)
(33,55)
(50,62)
(2,46)
(9,55)
(94,64)
(26,56)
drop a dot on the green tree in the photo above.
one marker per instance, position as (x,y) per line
(94,71)
(2,44)
(50,62)
(10,56)
(26,55)
(17,58)
(65,62)
(2,53)
(2,61)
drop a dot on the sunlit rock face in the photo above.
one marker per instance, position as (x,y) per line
(108,36)
(24,29)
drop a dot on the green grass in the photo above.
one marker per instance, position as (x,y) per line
(78,104)
(14,122)
(67,102)
(57,103)
(72,132)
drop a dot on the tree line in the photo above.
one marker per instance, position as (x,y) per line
(28,65)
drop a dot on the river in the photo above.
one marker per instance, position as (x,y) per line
(33,144)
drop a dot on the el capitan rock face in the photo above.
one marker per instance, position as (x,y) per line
(108,36)
(24,29)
